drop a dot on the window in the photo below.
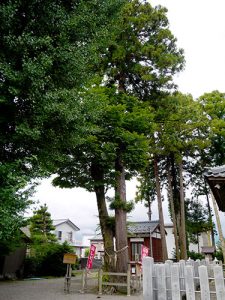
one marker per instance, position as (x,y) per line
(70,236)
(59,235)
(136,251)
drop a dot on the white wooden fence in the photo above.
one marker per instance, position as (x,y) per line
(191,279)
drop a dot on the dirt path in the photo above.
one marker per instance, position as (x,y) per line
(53,289)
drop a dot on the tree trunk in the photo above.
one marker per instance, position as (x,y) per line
(173,216)
(107,231)
(121,217)
(183,241)
(161,218)
(210,216)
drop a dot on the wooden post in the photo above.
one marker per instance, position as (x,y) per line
(84,278)
(204,283)
(100,282)
(147,278)
(218,225)
(128,279)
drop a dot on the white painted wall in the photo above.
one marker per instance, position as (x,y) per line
(171,242)
(66,229)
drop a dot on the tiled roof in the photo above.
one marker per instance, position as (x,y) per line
(143,227)
(216,172)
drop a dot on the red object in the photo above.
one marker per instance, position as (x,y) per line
(144,251)
(91,257)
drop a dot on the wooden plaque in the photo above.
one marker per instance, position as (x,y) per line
(69,258)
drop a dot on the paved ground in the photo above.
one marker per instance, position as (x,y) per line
(53,289)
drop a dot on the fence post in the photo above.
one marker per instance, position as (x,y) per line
(168,265)
(175,282)
(147,278)
(84,279)
(100,282)
(219,282)
(182,273)
(128,279)
(189,280)
(204,283)
(161,281)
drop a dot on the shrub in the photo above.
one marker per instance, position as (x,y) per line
(195,255)
(48,260)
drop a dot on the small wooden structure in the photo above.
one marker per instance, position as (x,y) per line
(144,233)
(208,251)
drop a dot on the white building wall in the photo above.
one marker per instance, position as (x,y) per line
(76,240)
(171,242)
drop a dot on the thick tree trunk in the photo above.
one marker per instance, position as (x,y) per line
(183,241)
(121,218)
(173,216)
(107,232)
(161,218)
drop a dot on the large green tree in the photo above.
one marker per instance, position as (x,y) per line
(138,64)
(49,50)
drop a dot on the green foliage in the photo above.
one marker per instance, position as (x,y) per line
(41,227)
(87,251)
(48,262)
(117,203)
(49,51)
(219,255)
(143,55)
(195,255)
(213,105)
(15,198)
(197,219)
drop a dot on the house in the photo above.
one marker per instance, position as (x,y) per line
(97,241)
(144,233)
(67,231)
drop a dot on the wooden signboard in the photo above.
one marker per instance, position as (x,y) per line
(69,258)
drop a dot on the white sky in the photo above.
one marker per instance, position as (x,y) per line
(199,26)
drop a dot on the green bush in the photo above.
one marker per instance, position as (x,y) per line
(219,255)
(195,255)
(47,260)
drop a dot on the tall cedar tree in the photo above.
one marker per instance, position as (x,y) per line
(179,138)
(139,61)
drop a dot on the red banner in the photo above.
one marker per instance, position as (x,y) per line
(144,251)
(91,257)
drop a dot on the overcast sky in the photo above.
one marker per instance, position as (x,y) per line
(199,26)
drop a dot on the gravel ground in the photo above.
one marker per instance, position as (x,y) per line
(52,289)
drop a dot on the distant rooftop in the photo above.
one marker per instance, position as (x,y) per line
(58,222)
